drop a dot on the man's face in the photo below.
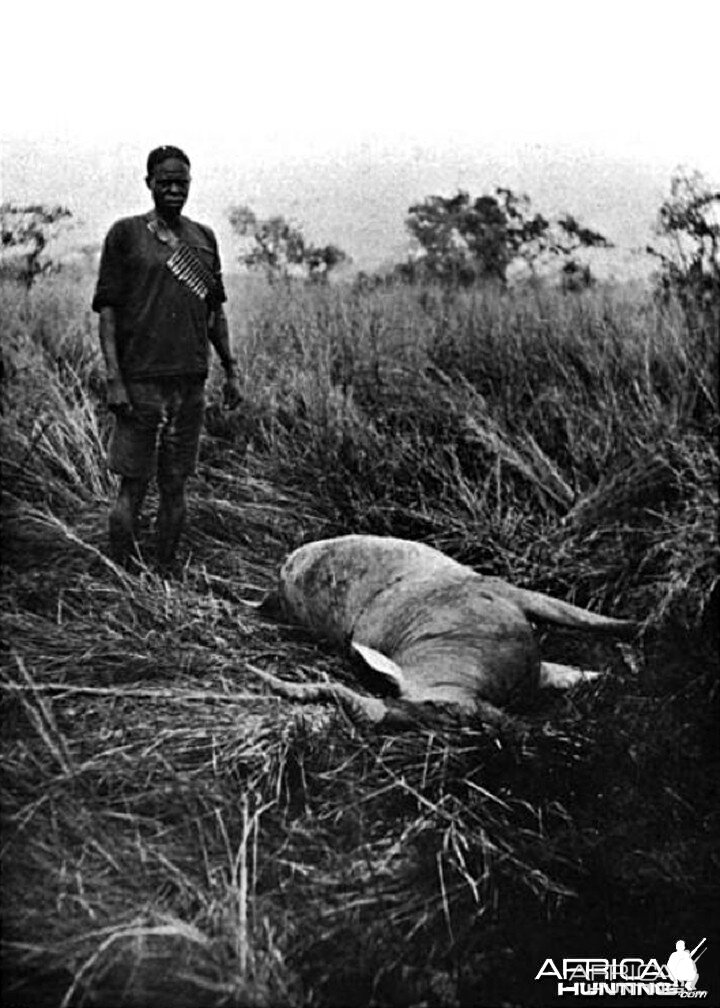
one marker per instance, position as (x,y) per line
(169,185)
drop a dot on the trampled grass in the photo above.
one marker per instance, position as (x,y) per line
(175,836)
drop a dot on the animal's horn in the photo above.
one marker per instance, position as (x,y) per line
(360,709)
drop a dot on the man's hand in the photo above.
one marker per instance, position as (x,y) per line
(118,401)
(232,397)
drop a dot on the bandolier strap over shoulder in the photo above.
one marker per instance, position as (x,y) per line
(184,263)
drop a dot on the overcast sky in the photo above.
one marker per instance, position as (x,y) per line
(340,114)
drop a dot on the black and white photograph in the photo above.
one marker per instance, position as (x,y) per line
(359,467)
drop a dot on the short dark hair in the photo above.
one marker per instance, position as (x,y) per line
(160,154)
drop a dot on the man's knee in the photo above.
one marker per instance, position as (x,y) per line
(132,450)
(130,496)
(172,488)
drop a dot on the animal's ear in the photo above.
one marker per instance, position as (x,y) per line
(382,664)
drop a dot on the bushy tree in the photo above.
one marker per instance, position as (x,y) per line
(575,276)
(464,240)
(322,259)
(27,230)
(280,248)
(689,221)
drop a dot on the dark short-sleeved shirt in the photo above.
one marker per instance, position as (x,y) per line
(161,325)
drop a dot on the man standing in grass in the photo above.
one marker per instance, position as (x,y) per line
(160,295)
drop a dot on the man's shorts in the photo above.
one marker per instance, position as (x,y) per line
(163,430)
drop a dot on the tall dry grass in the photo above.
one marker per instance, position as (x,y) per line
(501,427)
(174,836)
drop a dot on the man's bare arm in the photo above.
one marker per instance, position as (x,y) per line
(219,336)
(117,397)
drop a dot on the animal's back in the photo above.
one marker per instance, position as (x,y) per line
(327,585)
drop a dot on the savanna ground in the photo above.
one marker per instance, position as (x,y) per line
(174,836)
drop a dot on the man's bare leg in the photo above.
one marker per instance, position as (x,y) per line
(171,517)
(124,516)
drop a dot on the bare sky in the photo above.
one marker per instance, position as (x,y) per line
(339,114)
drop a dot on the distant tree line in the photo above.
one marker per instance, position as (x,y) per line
(25,231)
(462,241)
(458,241)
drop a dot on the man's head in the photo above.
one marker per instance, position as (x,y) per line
(168,179)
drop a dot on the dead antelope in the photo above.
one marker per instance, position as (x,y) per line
(442,635)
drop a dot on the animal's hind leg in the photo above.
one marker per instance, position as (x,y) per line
(554,676)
